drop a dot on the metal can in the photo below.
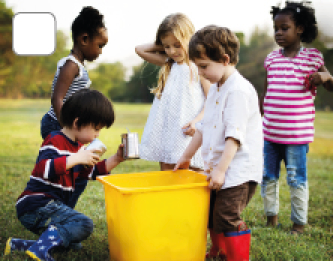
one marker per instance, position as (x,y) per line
(97,144)
(131,145)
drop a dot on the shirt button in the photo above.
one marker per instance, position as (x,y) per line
(215,127)
(210,148)
(217,102)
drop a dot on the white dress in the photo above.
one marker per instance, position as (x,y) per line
(181,101)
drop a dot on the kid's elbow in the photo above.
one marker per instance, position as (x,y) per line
(138,50)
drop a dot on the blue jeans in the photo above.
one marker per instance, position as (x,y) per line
(48,124)
(294,157)
(73,227)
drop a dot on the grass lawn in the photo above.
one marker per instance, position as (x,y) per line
(20,141)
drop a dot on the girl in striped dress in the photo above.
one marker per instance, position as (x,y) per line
(288,108)
(89,37)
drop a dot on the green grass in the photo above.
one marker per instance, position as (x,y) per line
(20,141)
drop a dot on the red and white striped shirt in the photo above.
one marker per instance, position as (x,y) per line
(289,110)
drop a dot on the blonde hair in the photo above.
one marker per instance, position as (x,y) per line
(182,28)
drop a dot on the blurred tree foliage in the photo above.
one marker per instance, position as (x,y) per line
(6,53)
(143,79)
(109,78)
(32,76)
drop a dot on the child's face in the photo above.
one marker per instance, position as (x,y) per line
(211,70)
(173,48)
(94,47)
(87,133)
(285,31)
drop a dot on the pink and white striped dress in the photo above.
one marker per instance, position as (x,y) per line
(289,110)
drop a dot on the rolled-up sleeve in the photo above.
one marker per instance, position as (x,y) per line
(236,115)
(199,126)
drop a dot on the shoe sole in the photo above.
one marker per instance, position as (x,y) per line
(32,255)
(8,248)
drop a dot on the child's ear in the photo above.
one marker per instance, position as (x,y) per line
(226,59)
(299,30)
(74,125)
(83,38)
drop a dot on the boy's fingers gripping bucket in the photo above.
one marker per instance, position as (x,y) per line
(157,215)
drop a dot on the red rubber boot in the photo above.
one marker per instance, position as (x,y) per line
(214,250)
(238,244)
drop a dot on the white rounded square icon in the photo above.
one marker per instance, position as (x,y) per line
(34,33)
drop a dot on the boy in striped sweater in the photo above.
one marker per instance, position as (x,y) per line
(43,206)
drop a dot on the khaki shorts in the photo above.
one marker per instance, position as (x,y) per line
(226,206)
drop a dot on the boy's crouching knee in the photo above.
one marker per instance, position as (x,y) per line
(87,228)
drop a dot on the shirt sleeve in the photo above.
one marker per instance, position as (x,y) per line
(317,56)
(92,172)
(236,115)
(50,164)
(198,126)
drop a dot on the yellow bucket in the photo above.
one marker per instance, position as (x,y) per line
(157,216)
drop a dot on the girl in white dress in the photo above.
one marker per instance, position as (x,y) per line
(179,96)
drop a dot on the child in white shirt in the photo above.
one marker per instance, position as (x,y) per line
(231,138)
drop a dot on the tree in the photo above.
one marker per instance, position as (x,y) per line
(32,76)
(143,79)
(252,56)
(6,54)
(109,79)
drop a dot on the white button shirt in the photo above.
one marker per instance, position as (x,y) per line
(232,110)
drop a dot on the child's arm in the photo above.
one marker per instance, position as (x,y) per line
(190,126)
(100,168)
(323,77)
(185,159)
(82,157)
(114,160)
(217,176)
(65,78)
(152,53)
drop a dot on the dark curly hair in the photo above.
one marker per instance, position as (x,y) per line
(303,15)
(88,21)
(214,42)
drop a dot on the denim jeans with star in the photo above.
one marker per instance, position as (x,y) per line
(73,226)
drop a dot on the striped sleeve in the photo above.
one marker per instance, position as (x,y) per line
(92,172)
(51,163)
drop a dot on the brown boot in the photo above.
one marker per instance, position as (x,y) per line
(272,221)
(297,229)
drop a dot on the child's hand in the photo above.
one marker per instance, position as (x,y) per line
(183,163)
(84,157)
(216,179)
(88,157)
(120,152)
(318,78)
(189,128)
